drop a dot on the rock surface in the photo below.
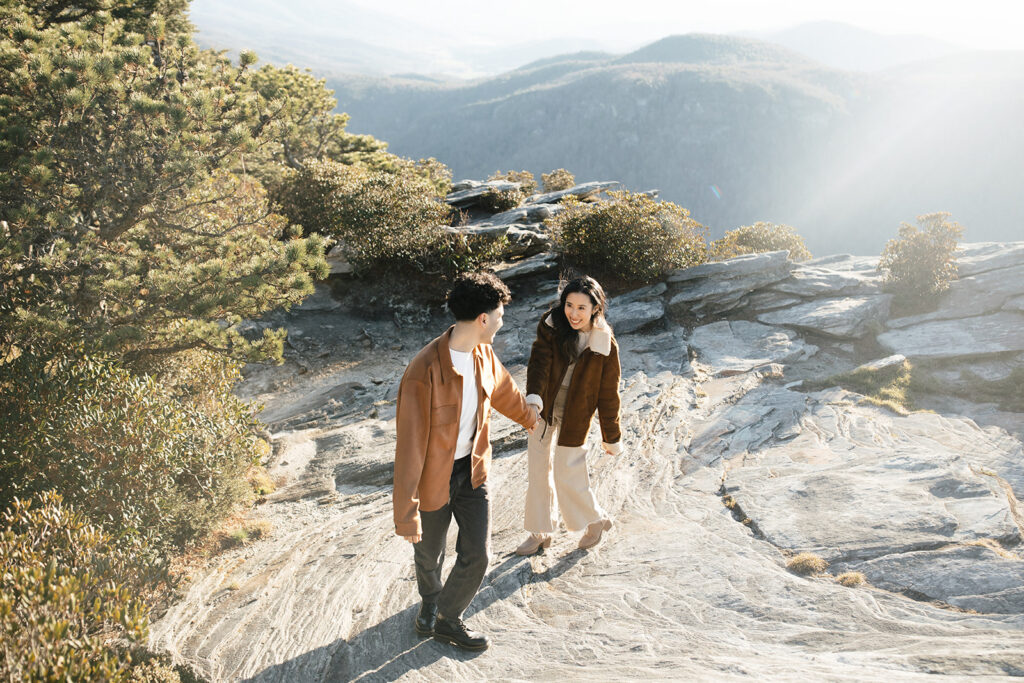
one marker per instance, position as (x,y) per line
(845,317)
(727,472)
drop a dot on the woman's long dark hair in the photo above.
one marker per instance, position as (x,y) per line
(568,337)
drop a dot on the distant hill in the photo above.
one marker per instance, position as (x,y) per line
(847,47)
(736,130)
(340,36)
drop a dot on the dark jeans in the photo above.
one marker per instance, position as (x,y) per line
(472,513)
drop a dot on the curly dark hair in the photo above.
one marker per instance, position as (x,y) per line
(566,335)
(476,293)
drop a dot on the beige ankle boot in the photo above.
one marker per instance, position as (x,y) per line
(534,543)
(593,534)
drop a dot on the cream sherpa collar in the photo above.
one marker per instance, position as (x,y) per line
(600,335)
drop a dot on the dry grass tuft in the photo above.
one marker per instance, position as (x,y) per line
(807,564)
(851,579)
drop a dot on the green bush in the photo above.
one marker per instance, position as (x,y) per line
(921,263)
(380,218)
(496,201)
(155,458)
(759,238)
(633,237)
(527,183)
(66,591)
(559,179)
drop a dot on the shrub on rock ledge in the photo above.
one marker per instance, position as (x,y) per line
(921,264)
(559,179)
(759,238)
(379,217)
(527,183)
(633,237)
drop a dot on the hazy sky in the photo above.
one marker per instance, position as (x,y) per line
(979,24)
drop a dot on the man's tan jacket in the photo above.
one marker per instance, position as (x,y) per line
(427,422)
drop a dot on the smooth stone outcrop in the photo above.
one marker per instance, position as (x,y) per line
(721,286)
(845,263)
(812,281)
(529,266)
(530,213)
(997,333)
(640,294)
(767,300)
(525,242)
(924,475)
(844,318)
(986,292)
(472,195)
(978,257)
(747,264)
(971,577)
(881,363)
(967,376)
(735,346)
(581,191)
(635,315)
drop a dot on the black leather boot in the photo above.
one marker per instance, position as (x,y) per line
(424,624)
(454,632)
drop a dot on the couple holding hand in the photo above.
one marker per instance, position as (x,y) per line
(443,450)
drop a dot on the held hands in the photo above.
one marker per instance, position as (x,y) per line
(535,418)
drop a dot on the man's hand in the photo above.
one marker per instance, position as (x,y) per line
(413,539)
(535,419)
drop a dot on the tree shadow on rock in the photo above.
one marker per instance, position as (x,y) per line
(388,650)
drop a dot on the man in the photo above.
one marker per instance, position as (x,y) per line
(443,454)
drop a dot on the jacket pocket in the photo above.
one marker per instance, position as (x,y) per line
(444,415)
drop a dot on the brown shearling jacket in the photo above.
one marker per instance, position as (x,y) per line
(427,423)
(594,384)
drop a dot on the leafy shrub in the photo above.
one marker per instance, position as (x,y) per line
(527,183)
(66,590)
(379,217)
(496,201)
(156,457)
(920,264)
(559,179)
(759,238)
(456,253)
(633,237)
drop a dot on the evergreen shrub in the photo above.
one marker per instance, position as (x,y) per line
(759,238)
(559,179)
(921,263)
(527,183)
(155,458)
(633,237)
(67,590)
(379,218)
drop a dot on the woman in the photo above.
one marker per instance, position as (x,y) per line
(573,371)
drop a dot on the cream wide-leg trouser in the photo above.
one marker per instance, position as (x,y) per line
(568,470)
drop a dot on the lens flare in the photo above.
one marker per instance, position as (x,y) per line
(716,191)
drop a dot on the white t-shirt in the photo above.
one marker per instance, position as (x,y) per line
(463,363)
